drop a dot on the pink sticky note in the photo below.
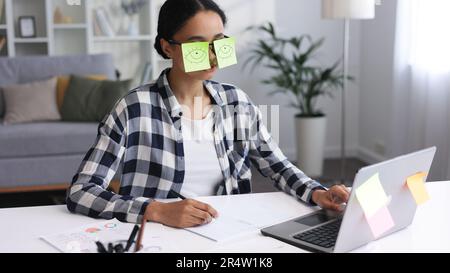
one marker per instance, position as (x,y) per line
(380,222)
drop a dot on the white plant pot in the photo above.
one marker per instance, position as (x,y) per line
(310,134)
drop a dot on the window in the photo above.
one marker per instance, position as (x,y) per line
(430,38)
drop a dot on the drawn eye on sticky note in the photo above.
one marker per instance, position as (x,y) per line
(195,56)
(416,185)
(371,196)
(225,50)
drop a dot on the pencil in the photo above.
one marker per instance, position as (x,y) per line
(140,235)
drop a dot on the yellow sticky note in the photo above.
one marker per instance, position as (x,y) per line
(196,56)
(225,50)
(371,195)
(381,222)
(416,185)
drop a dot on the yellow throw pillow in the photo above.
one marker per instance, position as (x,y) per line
(63,84)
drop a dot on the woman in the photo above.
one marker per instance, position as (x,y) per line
(148,134)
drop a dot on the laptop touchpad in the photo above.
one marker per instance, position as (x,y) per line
(315,219)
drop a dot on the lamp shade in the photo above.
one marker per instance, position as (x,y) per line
(348,9)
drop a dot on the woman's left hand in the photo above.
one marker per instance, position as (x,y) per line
(332,199)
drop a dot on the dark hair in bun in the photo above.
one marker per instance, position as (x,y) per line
(175,13)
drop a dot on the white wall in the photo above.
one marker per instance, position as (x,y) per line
(293,18)
(377,55)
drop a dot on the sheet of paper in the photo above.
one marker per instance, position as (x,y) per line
(225,50)
(380,222)
(371,195)
(196,56)
(154,243)
(259,213)
(82,239)
(263,217)
(416,185)
(257,244)
(224,228)
(237,218)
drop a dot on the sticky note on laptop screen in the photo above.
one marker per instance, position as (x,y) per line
(416,185)
(225,50)
(380,222)
(371,195)
(195,56)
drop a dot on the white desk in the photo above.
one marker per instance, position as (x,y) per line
(21,227)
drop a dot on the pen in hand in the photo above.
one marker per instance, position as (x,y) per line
(210,219)
(178,195)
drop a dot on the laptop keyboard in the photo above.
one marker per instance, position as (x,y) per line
(324,236)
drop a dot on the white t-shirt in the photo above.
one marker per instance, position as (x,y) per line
(202,168)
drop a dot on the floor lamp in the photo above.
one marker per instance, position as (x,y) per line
(346,10)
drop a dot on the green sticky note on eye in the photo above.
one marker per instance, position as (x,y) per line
(225,50)
(196,56)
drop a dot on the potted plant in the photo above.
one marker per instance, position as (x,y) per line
(304,81)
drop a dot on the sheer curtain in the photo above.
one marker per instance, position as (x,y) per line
(421,95)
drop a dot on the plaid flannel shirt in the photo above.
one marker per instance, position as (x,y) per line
(143,135)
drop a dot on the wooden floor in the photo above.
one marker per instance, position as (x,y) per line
(259,183)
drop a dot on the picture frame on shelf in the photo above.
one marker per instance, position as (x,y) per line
(27,26)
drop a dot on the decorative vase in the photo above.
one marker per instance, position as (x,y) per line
(311,132)
(133,25)
(57,16)
(124,23)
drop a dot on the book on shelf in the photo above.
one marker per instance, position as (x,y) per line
(2,42)
(103,22)
(97,29)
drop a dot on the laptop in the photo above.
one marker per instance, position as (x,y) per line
(327,231)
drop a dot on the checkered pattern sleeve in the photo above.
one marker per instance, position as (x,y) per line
(88,193)
(265,154)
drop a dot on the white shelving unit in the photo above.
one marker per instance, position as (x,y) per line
(123,38)
(69,26)
(131,53)
(31,40)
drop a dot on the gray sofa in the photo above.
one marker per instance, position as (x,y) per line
(45,155)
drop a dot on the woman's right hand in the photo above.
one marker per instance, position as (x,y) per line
(180,214)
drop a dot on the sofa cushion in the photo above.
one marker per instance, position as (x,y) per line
(34,171)
(8,75)
(29,102)
(46,138)
(63,84)
(2,105)
(111,93)
(26,69)
(90,100)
